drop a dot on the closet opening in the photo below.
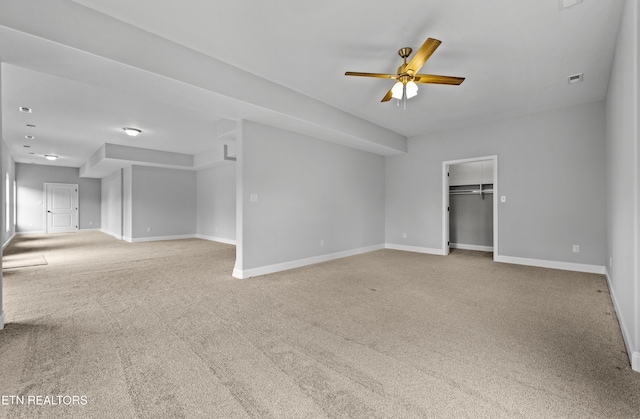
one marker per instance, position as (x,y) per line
(470,204)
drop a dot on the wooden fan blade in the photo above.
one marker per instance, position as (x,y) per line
(433,79)
(387,97)
(422,55)
(379,75)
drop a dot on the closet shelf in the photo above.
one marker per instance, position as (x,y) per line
(470,191)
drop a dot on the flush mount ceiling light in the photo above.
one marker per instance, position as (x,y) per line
(50,157)
(29,137)
(25,109)
(132,132)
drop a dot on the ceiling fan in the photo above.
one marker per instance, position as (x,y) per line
(407,76)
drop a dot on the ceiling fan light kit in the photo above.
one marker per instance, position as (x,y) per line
(407,75)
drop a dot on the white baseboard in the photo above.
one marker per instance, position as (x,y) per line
(216,239)
(117,236)
(278,267)
(159,238)
(8,241)
(565,266)
(28,233)
(475,247)
(415,249)
(634,356)
(2,320)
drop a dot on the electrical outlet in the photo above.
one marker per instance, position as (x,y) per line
(610,262)
(148,229)
(576,248)
(503,198)
(404,235)
(321,242)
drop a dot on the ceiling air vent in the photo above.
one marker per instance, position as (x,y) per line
(25,109)
(565,4)
(576,78)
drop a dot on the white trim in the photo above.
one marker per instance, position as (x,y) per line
(117,236)
(216,239)
(446,221)
(2,320)
(565,266)
(634,357)
(269,269)
(9,241)
(415,249)
(160,238)
(28,233)
(475,247)
(445,201)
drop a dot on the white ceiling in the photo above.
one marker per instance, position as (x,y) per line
(90,67)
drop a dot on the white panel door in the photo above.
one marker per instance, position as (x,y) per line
(62,208)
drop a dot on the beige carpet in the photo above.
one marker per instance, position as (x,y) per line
(20,260)
(161,330)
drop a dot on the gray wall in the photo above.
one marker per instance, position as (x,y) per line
(216,202)
(550,167)
(31,178)
(308,190)
(8,165)
(111,202)
(471,220)
(2,153)
(127,203)
(622,181)
(164,201)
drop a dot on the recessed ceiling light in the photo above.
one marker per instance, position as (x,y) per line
(50,156)
(25,109)
(29,137)
(565,4)
(131,132)
(30,126)
(576,78)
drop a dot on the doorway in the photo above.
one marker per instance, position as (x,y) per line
(470,204)
(61,208)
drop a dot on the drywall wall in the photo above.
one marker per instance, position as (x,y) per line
(127,203)
(163,203)
(550,168)
(471,216)
(111,204)
(216,203)
(8,166)
(622,191)
(31,178)
(304,199)
(471,221)
(2,227)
